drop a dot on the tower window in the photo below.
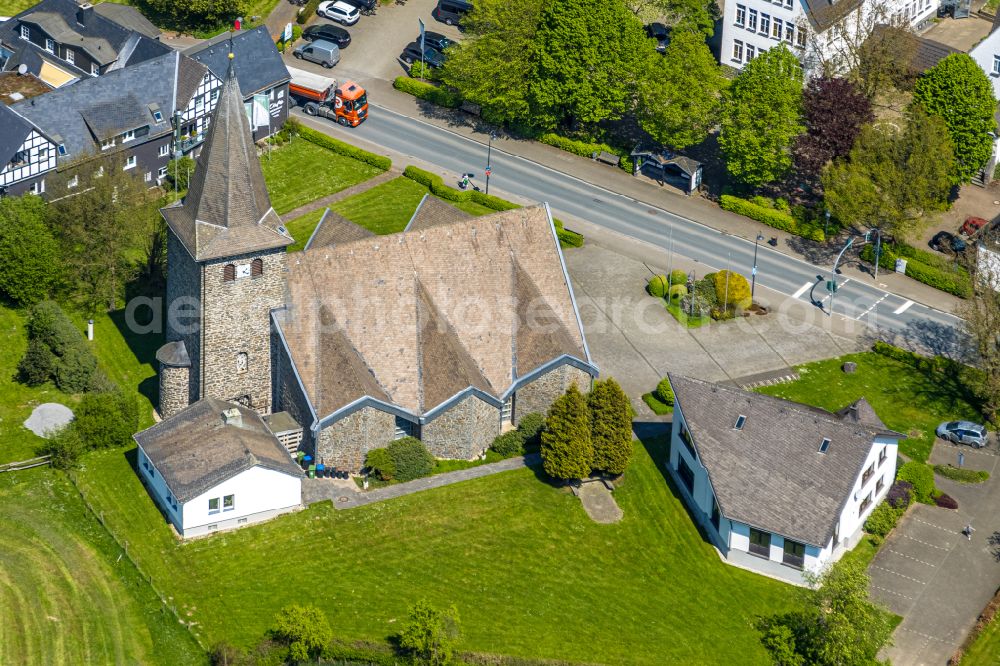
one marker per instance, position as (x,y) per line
(241,362)
(256,267)
(228,273)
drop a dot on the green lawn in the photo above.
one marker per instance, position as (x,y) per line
(12,7)
(908,400)
(300,172)
(530,574)
(65,595)
(302,227)
(985,651)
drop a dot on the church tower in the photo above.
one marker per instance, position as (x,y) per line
(225,271)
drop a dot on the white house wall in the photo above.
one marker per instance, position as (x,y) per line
(259,493)
(851,518)
(987,55)
(159,490)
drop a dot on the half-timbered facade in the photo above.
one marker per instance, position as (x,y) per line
(25,153)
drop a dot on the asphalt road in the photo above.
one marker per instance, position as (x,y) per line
(856,300)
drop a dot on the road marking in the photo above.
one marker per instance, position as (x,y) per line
(893,592)
(931,638)
(943,529)
(842,284)
(907,536)
(873,306)
(903,308)
(896,573)
(803,289)
(909,557)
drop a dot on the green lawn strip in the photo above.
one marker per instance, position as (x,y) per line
(659,407)
(647,590)
(13,7)
(301,171)
(385,208)
(472,208)
(302,228)
(682,316)
(961,474)
(908,400)
(68,597)
(985,650)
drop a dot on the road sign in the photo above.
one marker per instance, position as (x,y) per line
(754,271)
(286,36)
(489,171)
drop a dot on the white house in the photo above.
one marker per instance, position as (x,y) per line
(815,30)
(215,466)
(779,488)
(987,55)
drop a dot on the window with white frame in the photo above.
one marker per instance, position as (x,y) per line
(788,3)
(789,32)
(148,177)
(38,187)
(800,37)
(214,505)
(43,154)
(776,29)
(25,32)
(50,45)
(95,69)
(129,163)
(737,50)
(161,172)
(107,145)
(71,56)
(751,52)
(507,411)
(73,182)
(229,502)
(128,136)
(164,150)
(752,21)
(741,15)
(99,173)
(765,23)
(996,64)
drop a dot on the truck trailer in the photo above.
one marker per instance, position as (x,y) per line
(345,102)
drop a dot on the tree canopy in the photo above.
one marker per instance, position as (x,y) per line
(762,115)
(567,451)
(30,258)
(304,629)
(834,111)
(429,634)
(198,13)
(611,427)
(959,92)
(679,101)
(892,177)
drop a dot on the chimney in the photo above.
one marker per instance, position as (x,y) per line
(83,13)
(232,417)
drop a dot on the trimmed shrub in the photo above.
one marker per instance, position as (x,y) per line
(678,277)
(380,464)
(345,149)
(900,494)
(610,427)
(961,474)
(664,392)
(38,365)
(436,185)
(882,519)
(677,292)
(65,447)
(509,444)
(946,501)
(761,209)
(567,238)
(530,426)
(657,286)
(923,267)
(307,12)
(427,91)
(587,148)
(411,458)
(734,294)
(921,477)
(107,420)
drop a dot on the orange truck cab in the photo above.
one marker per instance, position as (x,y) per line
(346,102)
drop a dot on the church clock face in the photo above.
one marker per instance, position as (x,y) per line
(243,270)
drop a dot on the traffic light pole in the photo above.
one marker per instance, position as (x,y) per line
(832,284)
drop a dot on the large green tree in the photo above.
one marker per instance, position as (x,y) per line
(957,90)
(762,116)
(304,629)
(588,60)
(893,176)
(610,427)
(198,13)
(691,15)
(429,634)
(30,263)
(567,451)
(679,102)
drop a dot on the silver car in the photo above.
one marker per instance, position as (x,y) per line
(964,432)
(320,52)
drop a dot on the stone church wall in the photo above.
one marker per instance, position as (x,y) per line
(463,431)
(344,443)
(538,396)
(183,307)
(288,395)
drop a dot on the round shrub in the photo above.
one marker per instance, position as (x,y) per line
(530,426)
(882,519)
(900,494)
(946,501)
(657,286)
(107,420)
(38,365)
(921,477)
(737,294)
(380,464)
(509,444)
(664,392)
(677,292)
(678,277)
(411,458)
(76,370)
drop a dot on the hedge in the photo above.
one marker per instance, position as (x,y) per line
(345,149)
(882,519)
(921,477)
(307,12)
(587,149)
(922,267)
(428,92)
(777,219)
(962,474)
(566,237)
(509,444)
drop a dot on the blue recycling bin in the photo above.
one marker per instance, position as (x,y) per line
(321,471)
(306,460)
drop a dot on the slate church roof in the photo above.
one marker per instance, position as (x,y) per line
(257,62)
(227,210)
(770,473)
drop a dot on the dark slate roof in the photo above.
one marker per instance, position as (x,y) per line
(15,130)
(227,210)
(195,450)
(174,354)
(89,108)
(258,64)
(128,17)
(825,13)
(335,229)
(770,474)
(432,212)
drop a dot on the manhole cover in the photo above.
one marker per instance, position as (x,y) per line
(342,498)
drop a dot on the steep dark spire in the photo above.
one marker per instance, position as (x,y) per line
(227,210)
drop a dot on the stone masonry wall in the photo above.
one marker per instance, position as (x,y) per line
(237,320)
(288,395)
(463,431)
(184,288)
(539,395)
(174,390)
(344,444)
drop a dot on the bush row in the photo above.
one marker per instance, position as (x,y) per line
(961,474)
(567,238)
(587,149)
(522,440)
(428,91)
(345,149)
(57,351)
(922,267)
(779,219)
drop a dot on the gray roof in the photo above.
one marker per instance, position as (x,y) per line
(15,130)
(258,64)
(195,450)
(174,354)
(227,210)
(432,212)
(861,412)
(334,229)
(770,474)
(825,13)
(128,17)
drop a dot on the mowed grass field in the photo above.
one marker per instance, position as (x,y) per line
(986,650)
(907,400)
(530,573)
(65,596)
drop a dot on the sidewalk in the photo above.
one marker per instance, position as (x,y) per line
(615,180)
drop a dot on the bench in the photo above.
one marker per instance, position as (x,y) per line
(606,157)
(470,108)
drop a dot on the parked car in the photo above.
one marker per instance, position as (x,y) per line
(450,12)
(435,40)
(432,57)
(339,11)
(964,432)
(320,52)
(973,225)
(947,243)
(660,33)
(327,32)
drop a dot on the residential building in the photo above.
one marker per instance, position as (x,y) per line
(778,487)
(987,55)
(362,339)
(216,466)
(817,31)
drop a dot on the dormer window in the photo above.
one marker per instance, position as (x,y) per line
(95,69)
(25,32)
(107,145)
(71,56)
(50,45)
(824,445)
(740,420)
(158,116)
(128,136)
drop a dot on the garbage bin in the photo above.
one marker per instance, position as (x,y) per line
(306,459)
(321,470)
(901,266)
(312,471)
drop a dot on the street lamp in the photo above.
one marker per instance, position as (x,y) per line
(489,153)
(753,273)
